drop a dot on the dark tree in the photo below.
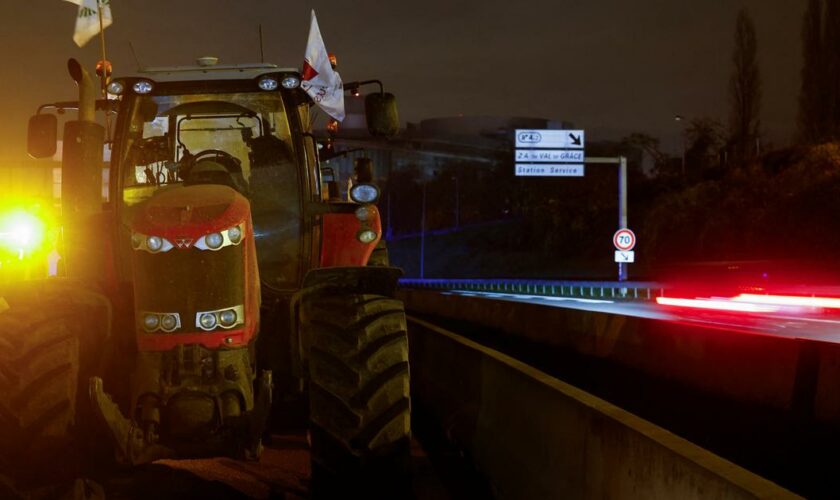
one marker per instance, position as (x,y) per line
(648,144)
(704,139)
(831,65)
(813,96)
(744,90)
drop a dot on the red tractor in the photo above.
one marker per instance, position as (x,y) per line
(219,274)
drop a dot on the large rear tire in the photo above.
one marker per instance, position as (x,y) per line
(39,370)
(359,395)
(51,336)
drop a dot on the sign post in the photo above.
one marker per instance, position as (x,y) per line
(560,153)
(622,212)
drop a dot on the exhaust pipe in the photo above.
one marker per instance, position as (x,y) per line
(87,91)
(81,180)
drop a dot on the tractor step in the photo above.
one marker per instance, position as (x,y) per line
(130,445)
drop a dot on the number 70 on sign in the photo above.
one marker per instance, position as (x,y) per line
(624,240)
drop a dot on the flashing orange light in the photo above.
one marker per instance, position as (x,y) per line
(790,300)
(332,126)
(716,305)
(104,64)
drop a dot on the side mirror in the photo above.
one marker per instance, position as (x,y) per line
(381,112)
(42,137)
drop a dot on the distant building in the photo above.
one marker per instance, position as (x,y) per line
(431,142)
(460,148)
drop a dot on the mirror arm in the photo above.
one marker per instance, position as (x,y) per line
(351,86)
(101,104)
(346,152)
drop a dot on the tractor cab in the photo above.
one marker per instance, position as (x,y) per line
(234,126)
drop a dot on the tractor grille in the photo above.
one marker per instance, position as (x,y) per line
(189,281)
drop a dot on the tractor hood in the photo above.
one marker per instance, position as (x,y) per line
(191,211)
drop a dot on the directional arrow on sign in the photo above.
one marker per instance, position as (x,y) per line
(625,256)
(550,138)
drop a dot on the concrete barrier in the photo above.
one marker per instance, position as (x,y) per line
(794,375)
(534,436)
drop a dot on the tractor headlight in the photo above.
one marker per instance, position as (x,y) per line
(143,87)
(235,234)
(267,83)
(364,193)
(290,82)
(214,241)
(227,318)
(150,243)
(207,321)
(116,88)
(217,241)
(364,213)
(366,236)
(151,322)
(167,322)
(223,318)
(154,243)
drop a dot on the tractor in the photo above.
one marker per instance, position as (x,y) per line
(224,271)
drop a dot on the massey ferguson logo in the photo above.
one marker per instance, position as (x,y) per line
(183,243)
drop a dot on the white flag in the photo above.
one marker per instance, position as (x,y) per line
(87,22)
(319,79)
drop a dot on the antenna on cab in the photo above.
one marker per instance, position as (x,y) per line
(134,54)
(262,54)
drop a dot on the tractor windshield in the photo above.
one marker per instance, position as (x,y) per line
(166,134)
(242,140)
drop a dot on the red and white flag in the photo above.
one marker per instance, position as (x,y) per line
(319,79)
(87,20)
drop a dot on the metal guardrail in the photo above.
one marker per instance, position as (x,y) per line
(562,441)
(628,290)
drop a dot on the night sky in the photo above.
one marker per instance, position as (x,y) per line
(609,66)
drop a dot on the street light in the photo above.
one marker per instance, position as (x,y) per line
(680,119)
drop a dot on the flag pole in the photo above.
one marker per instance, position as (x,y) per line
(104,76)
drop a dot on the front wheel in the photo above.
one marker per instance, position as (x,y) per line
(39,370)
(359,395)
(51,336)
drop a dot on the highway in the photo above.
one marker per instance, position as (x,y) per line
(756,388)
(794,323)
(282,472)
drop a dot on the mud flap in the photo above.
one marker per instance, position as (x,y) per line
(358,280)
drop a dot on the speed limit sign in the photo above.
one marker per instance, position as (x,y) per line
(624,240)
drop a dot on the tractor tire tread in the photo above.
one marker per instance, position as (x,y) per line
(38,382)
(359,391)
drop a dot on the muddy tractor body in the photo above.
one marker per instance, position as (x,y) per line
(229,275)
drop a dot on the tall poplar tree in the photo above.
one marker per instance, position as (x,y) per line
(744,89)
(831,66)
(813,97)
